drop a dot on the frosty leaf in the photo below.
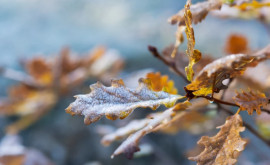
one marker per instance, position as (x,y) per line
(161,83)
(225,147)
(251,100)
(198,10)
(245,10)
(12,152)
(118,101)
(236,44)
(123,132)
(130,145)
(193,54)
(258,81)
(211,76)
(136,125)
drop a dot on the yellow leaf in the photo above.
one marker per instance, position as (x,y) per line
(193,54)
(161,83)
(252,5)
(225,147)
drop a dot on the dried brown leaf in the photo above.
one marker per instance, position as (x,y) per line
(250,101)
(225,147)
(211,76)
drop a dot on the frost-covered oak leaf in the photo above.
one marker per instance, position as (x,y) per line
(225,147)
(250,101)
(211,76)
(198,10)
(118,101)
(130,145)
(136,125)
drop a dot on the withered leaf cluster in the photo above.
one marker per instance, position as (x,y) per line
(47,79)
(204,75)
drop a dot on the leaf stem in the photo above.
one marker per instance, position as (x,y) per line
(227,103)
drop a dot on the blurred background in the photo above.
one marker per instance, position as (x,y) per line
(30,28)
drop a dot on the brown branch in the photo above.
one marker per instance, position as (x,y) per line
(156,54)
(227,103)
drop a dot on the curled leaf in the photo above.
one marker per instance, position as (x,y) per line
(225,147)
(130,145)
(251,100)
(161,83)
(118,101)
(193,54)
(211,76)
(198,10)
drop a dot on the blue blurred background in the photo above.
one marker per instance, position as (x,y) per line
(32,27)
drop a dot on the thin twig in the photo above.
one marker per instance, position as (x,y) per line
(156,54)
(228,103)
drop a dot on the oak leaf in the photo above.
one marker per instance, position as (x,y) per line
(198,10)
(130,145)
(211,76)
(225,147)
(250,101)
(161,83)
(118,101)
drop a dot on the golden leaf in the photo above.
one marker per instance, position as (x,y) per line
(198,10)
(193,54)
(211,76)
(236,44)
(250,101)
(30,104)
(118,101)
(252,5)
(146,126)
(161,83)
(225,147)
